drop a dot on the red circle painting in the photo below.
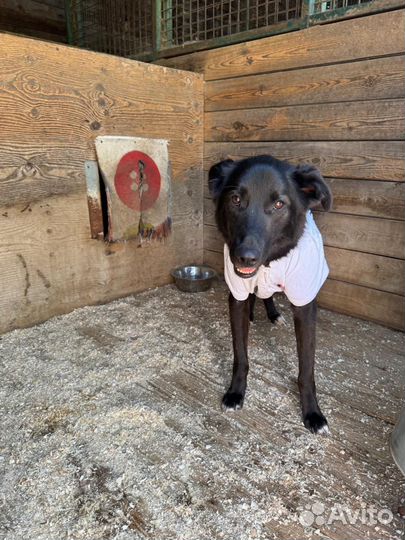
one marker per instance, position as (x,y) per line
(137,181)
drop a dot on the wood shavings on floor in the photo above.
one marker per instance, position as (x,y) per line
(112,427)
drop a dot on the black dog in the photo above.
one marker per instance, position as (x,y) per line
(272,244)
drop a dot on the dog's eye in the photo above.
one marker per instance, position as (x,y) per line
(235,200)
(278,205)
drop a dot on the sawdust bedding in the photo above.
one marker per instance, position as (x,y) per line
(112,429)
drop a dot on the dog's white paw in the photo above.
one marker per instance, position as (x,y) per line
(280,321)
(323,430)
(316,423)
(232,401)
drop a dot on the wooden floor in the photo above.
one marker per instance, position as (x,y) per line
(113,427)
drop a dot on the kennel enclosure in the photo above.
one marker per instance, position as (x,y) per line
(331,94)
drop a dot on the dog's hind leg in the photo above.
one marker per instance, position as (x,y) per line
(272,313)
(305,327)
(252,301)
(271,310)
(239,315)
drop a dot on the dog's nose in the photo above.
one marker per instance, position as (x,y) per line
(247,256)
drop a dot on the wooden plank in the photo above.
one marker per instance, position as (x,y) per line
(55,100)
(368,198)
(36,171)
(40,87)
(209,211)
(51,265)
(364,120)
(213,239)
(45,20)
(53,10)
(359,301)
(356,81)
(363,302)
(367,270)
(311,47)
(36,33)
(357,197)
(215,259)
(382,307)
(355,159)
(368,235)
(31,26)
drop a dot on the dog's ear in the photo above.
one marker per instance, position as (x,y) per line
(217,176)
(312,185)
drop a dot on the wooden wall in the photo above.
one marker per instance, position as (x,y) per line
(54,100)
(44,19)
(332,95)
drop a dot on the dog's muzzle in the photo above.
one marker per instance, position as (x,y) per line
(246,259)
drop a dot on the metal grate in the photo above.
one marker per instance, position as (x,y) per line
(144,29)
(123,27)
(322,6)
(188,21)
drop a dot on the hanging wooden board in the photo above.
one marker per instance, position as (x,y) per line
(136,177)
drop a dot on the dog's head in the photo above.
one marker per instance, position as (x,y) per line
(261,204)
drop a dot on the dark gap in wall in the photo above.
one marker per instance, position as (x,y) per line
(104,205)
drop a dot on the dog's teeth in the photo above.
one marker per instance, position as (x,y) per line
(246,270)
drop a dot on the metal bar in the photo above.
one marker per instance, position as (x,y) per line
(133,33)
(69,14)
(139,22)
(79,26)
(189,28)
(145,27)
(157,27)
(183,24)
(198,21)
(127,29)
(114,32)
(311,7)
(307,8)
(205,19)
(167,20)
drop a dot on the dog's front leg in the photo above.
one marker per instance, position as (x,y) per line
(239,315)
(305,328)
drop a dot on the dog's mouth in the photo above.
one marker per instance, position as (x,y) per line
(245,272)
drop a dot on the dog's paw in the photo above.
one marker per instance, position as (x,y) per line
(316,423)
(278,320)
(232,401)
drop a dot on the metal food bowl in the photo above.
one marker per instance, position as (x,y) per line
(195,278)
